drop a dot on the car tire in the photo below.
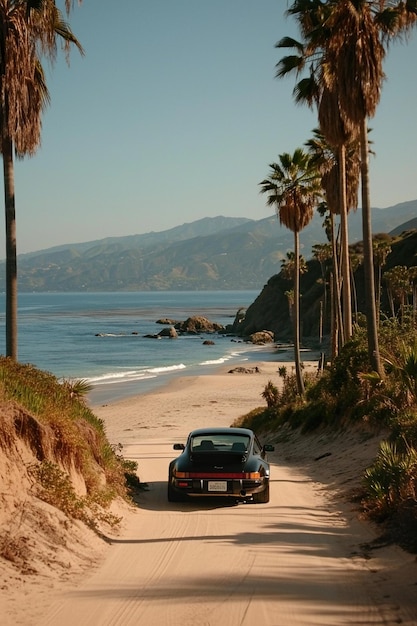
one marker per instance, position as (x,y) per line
(263,496)
(173,496)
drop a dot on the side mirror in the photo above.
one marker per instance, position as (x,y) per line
(268,447)
(179,446)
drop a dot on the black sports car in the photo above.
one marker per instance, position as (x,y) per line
(220,462)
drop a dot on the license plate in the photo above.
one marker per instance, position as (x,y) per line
(217,485)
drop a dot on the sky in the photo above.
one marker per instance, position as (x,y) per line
(174,114)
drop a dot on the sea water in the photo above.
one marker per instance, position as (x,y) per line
(101,337)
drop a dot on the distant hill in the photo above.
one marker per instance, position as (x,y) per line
(410,225)
(211,253)
(203,227)
(383,220)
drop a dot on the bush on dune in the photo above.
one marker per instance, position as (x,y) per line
(66,440)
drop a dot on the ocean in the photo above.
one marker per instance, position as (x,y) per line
(100,337)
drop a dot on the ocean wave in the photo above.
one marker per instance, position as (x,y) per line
(132,375)
(222,360)
(111,335)
(116,378)
(168,368)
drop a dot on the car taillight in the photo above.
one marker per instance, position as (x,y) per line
(219,475)
(181,474)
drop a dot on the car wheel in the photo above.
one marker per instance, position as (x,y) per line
(173,496)
(263,496)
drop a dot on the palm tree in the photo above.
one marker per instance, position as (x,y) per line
(399,283)
(356,260)
(354,55)
(339,169)
(288,269)
(333,130)
(288,266)
(351,35)
(336,317)
(381,250)
(294,188)
(29,28)
(322,252)
(290,298)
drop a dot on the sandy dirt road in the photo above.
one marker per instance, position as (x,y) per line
(292,562)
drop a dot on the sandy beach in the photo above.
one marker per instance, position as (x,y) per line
(305,558)
(192,401)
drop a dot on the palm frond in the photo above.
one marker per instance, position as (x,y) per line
(307,91)
(288,64)
(290,42)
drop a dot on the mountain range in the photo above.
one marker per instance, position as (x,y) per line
(219,253)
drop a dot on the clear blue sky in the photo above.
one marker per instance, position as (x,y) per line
(174,114)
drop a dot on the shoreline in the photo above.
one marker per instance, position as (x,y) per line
(187,402)
(274,355)
(112,392)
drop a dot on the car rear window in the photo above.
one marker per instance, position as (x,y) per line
(219,443)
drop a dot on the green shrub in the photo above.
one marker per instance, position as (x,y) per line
(259,420)
(391,479)
(54,486)
(271,394)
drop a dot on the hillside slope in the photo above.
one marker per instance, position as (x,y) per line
(213,253)
(270,310)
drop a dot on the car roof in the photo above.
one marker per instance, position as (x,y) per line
(220,431)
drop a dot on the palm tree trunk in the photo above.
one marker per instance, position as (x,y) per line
(378,294)
(354,294)
(297,358)
(11,262)
(337,309)
(321,322)
(345,261)
(333,319)
(371,318)
(391,301)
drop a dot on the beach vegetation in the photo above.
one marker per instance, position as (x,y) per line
(53,485)
(348,394)
(392,479)
(66,443)
(77,388)
(271,394)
